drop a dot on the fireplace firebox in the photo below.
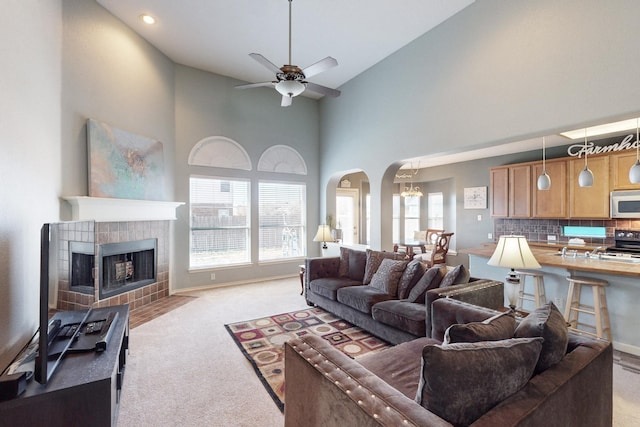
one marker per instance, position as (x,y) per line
(125,266)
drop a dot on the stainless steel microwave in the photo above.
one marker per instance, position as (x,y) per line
(625,204)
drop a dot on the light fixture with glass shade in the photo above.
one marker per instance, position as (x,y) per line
(323,235)
(585,179)
(513,252)
(290,88)
(412,191)
(544,180)
(634,172)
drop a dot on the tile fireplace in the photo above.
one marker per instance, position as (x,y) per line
(112,263)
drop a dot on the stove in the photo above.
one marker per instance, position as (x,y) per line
(627,242)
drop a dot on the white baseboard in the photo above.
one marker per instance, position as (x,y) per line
(626,348)
(224,285)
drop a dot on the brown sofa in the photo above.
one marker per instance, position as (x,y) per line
(344,286)
(324,387)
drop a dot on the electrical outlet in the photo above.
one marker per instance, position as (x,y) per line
(479,217)
(213,276)
(490,236)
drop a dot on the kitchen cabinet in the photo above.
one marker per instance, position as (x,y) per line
(589,202)
(520,191)
(551,203)
(619,170)
(499,191)
(511,191)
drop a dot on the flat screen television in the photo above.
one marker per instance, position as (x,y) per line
(41,373)
(49,356)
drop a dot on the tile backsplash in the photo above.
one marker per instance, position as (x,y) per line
(537,230)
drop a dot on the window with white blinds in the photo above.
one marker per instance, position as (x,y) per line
(282,211)
(396,218)
(220,222)
(411,217)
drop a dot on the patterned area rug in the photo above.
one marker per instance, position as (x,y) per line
(261,341)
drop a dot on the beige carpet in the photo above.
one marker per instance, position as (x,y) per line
(184,369)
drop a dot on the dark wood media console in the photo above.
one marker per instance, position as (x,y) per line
(85,388)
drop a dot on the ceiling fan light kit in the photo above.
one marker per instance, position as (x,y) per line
(290,79)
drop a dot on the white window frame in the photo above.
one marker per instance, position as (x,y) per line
(219,221)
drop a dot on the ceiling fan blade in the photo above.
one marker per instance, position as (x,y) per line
(320,66)
(323,90)
(252,85)
(265,62)
(286,100)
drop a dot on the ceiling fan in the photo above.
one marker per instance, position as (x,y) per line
(291,80)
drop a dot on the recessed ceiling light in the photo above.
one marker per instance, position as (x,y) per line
(148,19)
(601,129)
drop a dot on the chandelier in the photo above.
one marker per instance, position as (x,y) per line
(411,191)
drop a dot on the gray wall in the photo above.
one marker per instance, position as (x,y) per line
(495,72)
(114,76)
(30,46)
(208,105)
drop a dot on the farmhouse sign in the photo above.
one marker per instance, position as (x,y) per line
(589,148)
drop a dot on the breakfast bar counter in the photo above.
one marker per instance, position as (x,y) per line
(550,256)
(623,291)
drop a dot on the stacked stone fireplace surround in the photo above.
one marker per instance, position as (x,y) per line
(100,233)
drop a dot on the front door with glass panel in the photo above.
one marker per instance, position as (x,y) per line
(347,212)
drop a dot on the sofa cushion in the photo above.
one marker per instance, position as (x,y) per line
(362,297)
(414,271)
(399,366)
(328,286)
(352,263)
(460,382)
(388,275)
(457,275)
(546,322)
(498,327)
(373,260)
(429,280)
(343,268)
(401,314)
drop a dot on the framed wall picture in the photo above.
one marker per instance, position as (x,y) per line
(475,198)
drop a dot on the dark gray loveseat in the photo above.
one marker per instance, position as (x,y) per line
(352,287)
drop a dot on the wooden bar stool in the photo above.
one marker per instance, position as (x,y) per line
(538,296)
(599,309)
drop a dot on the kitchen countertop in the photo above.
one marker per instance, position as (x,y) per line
(546,255)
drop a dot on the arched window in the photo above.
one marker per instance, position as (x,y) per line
(219,152)
(283,159)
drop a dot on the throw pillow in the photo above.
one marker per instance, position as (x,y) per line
(387,276)
(463,276)
(429,280)
(546,322)
(373,260)
(414,271)
(451,277)
(499,327)
(478,376)
(357,262)
(343,267)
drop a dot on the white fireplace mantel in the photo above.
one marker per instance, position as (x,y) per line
(104,209)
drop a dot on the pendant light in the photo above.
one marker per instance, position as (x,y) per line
(544,180)
(585,179)
(634,172)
